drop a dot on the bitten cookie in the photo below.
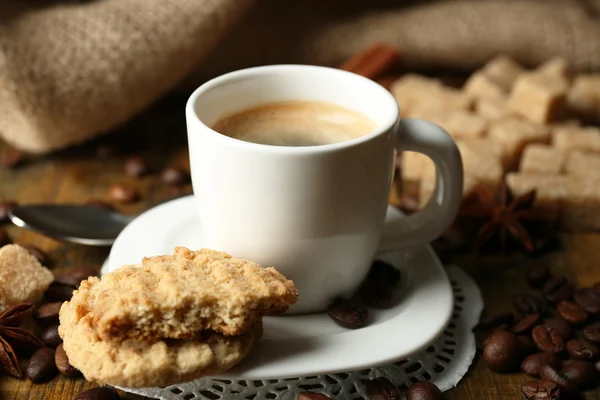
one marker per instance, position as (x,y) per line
(178,295)
(133,363)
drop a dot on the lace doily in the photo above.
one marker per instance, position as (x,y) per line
(444,363)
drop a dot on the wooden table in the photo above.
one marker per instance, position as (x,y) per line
(78,175)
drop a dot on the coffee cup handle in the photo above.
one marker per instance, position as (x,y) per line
(422,227)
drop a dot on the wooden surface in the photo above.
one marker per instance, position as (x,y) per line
(77,175)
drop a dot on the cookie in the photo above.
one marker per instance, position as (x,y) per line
(22,278)
(178,295)
(134,363)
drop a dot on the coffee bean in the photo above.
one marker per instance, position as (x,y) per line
(41,366)
(50,336)
(11,158)
(581,373)
(538,275)
(559,325)
(502,352)
(383,272)
(540,390)
(74,276)
(47,314)
(582,350)
(101,204)
(588,299)
(38,254)
(312,396)
(557,289)
(123,193)
(136,166)
(526,323)
(62,363)
(423,391)
(59,292)
(106,151)
(571,312)
(528,304)
(174,176)
(591,333)
(99,393)
(567,387)
(5,208)
(495,320)
(547,340)
(377,295)
(4,238)
(381,389)
(348,314)
(533,363)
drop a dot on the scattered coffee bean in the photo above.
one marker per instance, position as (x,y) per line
(591,333)
(11,158)
(581,373)
(381,389)
(423,391)
(533,363)
(47,314)
(38,254)
(106,151)
(502,352)
(348,314)
(571,312)
(59,292)
(540,390)
(528,304)
(582,350)
(559,325)
(41,366)
(557,289)
(62,363)
(567,387)
(50,336)
(101,204)
(526,323)
(588,299)
(99,393)
(123,193)
(174,176)
(538,275)
(4,238)
(377,296)
(5,207)
(136,166)
(383,272)
(547,340)
(527,345)
(492,321)
(312,396)
(490,334)
(74,276)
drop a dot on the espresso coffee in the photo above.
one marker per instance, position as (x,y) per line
(295,123)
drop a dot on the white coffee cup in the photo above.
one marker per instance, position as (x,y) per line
(315,213)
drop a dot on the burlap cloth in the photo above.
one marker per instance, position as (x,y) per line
(72,70)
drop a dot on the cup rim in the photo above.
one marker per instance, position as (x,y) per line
(248,72)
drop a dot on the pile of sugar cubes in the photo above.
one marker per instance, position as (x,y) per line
(524,126)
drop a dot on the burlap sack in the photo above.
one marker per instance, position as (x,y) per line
(70,71)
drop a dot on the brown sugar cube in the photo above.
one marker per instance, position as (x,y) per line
(427,186)
(542,158)
(454,99)
(538,97)
(22,278)
(504,70)
(513,134)
(582,163)
(550,190)
(492,109)
(584,96)
(464,124)
(571,138)
(581,207)
(480,85)
(481,160)
(414,90)
(431,113)
(557,68)
(415,165)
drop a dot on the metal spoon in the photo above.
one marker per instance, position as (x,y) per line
(89,225)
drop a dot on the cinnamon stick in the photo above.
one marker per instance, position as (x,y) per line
(372,62)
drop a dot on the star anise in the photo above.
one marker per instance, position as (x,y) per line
(504,216)
(12,335)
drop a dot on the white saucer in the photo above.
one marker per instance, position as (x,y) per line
(305,345)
